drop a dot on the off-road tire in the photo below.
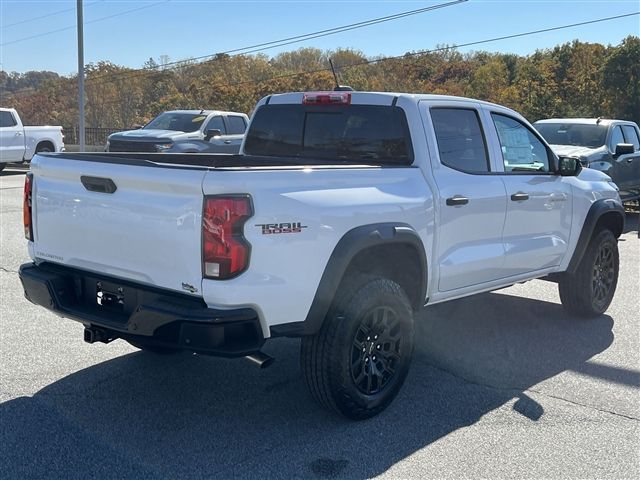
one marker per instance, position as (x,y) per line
(153,348)
(589,291)
(333,360)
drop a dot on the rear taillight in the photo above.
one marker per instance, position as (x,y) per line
(26,207)
(326,98)
(225,251)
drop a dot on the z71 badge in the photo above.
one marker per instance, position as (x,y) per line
(274,228)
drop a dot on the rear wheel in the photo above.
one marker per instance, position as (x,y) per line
(589,291)
(357,362)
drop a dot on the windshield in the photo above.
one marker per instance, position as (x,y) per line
(580,134)
(343,133)
(180,122)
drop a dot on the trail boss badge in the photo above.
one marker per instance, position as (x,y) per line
(275,228)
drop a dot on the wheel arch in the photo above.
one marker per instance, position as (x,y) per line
(603,213)
(45,143)
(390,250)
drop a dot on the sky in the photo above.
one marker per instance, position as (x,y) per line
(41,35)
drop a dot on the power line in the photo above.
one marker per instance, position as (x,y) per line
(423,52)
(413,54)
(281,42)
(52,14)
(73,27)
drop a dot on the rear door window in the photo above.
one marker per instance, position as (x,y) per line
(460,139)
(374,133)
(236,124)
(7,120)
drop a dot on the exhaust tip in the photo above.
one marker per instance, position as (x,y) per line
(260,359)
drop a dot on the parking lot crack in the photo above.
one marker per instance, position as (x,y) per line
(6,270)
(578,404)
(518,391)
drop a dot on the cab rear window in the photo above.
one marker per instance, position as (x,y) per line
(370,133)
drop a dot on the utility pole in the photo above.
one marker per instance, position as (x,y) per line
(80,77)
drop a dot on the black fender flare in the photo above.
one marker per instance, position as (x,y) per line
(598,209)
(352,243)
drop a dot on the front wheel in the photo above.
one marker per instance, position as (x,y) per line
(357,362)
(589,291)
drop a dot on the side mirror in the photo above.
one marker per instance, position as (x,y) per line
(137,127)
(569,166)
(214,132)
(624,148)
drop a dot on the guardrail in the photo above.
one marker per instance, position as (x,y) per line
(92,135)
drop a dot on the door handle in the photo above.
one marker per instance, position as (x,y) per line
(629,160)
(519,197)
(227,142)
(18,134)
(457,200)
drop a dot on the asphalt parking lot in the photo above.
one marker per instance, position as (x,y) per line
(503,385)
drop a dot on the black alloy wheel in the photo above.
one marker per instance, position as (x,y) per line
(603,275)
(356,364)
(376,350)
(589,291)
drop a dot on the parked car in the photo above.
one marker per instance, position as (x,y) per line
(19,143)
(344,214)
(224,129)
(218,143)
(611,146)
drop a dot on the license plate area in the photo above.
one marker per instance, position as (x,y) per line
(110,296)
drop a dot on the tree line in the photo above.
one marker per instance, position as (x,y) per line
(575,79)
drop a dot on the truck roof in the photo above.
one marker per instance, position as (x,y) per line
(201,112)
(380,98)
(584,121)
(295,97)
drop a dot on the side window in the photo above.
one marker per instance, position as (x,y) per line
(216,122)
(236,124)
(616,138)
(460,139)
(631,136)
(7,120)
(522,151)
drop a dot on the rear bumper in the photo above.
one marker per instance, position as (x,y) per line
(133,311)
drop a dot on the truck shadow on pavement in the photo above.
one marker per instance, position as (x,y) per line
(147,416)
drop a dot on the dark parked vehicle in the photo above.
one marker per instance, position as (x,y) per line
(611,146)
(184,131)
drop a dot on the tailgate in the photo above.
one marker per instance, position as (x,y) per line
(148,230)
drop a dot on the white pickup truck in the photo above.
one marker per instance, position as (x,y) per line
(184,131)
(345,214)
(19,143)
